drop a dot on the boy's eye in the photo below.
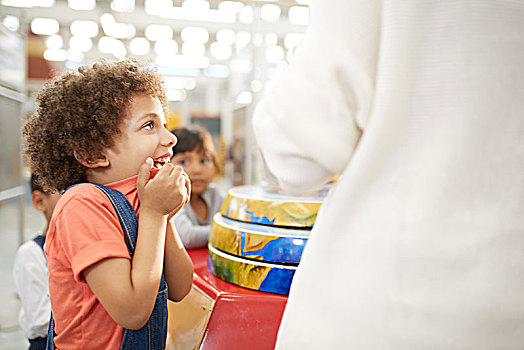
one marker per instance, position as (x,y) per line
(183,162)
(149,125)
(205,161)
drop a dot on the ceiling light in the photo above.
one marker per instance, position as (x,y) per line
(139,46)
(196,5)
(85,5)
(240,65)
(270,12)
(299,15)
(195,35)
(59,55)
(45,26)
(245,15)
(193,49)
(166,47)
(242,39)
(157,7)
(54,42)
(220,51)
(230,6)
(189,83)
(84,28)
(79,43)
(123,5)
(226,36)
(11,22)
(155,32)
(271,39)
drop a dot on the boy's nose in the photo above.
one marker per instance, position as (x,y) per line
(171,139)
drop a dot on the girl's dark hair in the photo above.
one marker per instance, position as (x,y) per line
(194,138)
(81,112)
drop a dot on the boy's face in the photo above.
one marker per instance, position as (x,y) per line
(45,202)
(143,135)
(198,166)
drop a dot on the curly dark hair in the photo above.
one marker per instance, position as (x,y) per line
(82,111)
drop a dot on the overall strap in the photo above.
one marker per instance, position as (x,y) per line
(126,215)
(40,240)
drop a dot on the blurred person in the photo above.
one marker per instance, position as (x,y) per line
(99,134)
(418,105)
(30,273)
(195,152)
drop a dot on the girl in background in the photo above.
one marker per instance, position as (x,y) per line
(195,152)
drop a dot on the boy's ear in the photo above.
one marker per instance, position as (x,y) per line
(37,198)
(89,161)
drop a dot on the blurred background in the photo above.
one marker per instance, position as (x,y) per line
(215,56)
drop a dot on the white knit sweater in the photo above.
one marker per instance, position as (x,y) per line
(420,106)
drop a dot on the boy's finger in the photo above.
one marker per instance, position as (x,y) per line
(143,173)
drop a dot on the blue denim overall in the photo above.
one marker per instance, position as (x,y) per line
(153,335)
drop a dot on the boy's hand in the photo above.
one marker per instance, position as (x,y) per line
(167,192)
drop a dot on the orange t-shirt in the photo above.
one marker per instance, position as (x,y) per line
(83,231)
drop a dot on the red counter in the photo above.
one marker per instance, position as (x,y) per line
(231,318)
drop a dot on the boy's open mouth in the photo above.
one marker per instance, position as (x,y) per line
(160,162)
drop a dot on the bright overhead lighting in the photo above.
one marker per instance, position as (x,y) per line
(291,40)
(303,2)
(115,29)
(84,28)
(11,22)
(193,49)
(81,44)
(58,55)
(189,83)
(28,3)
(220,51)
(230,6)
(242,39)
(271,39)
(226,36)
(299,15)
(195,35)
(156,32)
(196,5)
(166,47)
(157,7)
(54,42)
(113,46)
(245,15)
(123,5)
(85,5)
(45,26)
(183,61)
(270,12)
(274,54)
(139,46)
(256,85)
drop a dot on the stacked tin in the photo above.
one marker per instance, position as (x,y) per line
(257,239)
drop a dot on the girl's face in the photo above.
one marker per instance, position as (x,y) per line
(199,166)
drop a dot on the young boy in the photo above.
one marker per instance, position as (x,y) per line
(105,124)
(30,274)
